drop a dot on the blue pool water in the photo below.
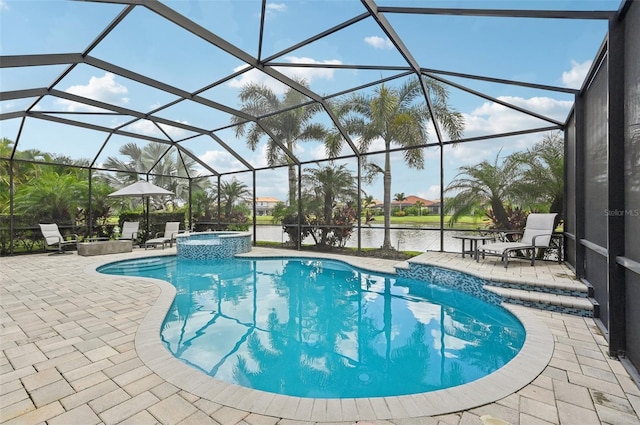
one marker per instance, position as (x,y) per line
(323,329)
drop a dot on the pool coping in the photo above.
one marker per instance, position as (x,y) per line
(516,374)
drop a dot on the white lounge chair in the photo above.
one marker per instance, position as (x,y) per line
(537,235)
(129,230)
(53,238)
(171,230)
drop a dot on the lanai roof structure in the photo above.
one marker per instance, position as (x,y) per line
(82,79)
(85,84)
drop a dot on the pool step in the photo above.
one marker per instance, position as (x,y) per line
(564,295)
(571,297)
(571,289)
(141,266)
(579,305)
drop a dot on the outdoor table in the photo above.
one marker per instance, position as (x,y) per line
(104,247)
(97,239)
(473,243)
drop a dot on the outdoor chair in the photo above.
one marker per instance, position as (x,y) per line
(54,240)
(129,231)
(171,229)
(537,235)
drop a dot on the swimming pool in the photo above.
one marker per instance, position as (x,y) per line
(324,329)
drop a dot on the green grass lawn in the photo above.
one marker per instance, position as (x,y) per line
(264,219)
(430,219)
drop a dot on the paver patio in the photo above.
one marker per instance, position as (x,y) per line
(75,346)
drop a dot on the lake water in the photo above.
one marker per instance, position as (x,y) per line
(404,239)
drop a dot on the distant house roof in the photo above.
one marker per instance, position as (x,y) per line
(266,199)
(411,200)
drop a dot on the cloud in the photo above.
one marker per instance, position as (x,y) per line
(316,151)
(319,152)
(4,5)
(255,76)
(432,193)
(105,89)
(174,132)
(376,145)
(471,153)
(494,118)
(310,74)
(259,159)
(274,8)
(268,182)
(8,106)
(148,128)
(272,183)
(575,77)
(379,42)
(221,161)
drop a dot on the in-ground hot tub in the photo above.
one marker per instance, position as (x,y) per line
(209,245)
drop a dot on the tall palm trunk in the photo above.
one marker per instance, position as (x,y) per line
(557,204)
(227,210)
(328,215)
(387,198)
(293,187)
(501,214)
(293,177)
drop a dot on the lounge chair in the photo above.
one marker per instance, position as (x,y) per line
(171,229)
(53,238)
(129,231)
(537,235)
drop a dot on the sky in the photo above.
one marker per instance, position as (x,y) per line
(552,52)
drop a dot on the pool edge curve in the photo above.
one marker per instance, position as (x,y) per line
(525,367)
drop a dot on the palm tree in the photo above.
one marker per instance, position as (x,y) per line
(185,168)
(542,176)
(24,167)
(399,197)
(134,165)
(6,167)
(52,197)
(289,127)
(419,205)
(367,202)
(396,116)
(138,161)
(329,185)
(230,193)
(47,187)
(154,157)
(483,186)
(203,202)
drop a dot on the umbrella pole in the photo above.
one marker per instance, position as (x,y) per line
(147,219)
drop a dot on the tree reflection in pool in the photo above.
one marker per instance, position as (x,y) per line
(323,329)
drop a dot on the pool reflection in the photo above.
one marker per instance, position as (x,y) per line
(321,329)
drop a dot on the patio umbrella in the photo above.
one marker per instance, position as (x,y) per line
(143,189)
